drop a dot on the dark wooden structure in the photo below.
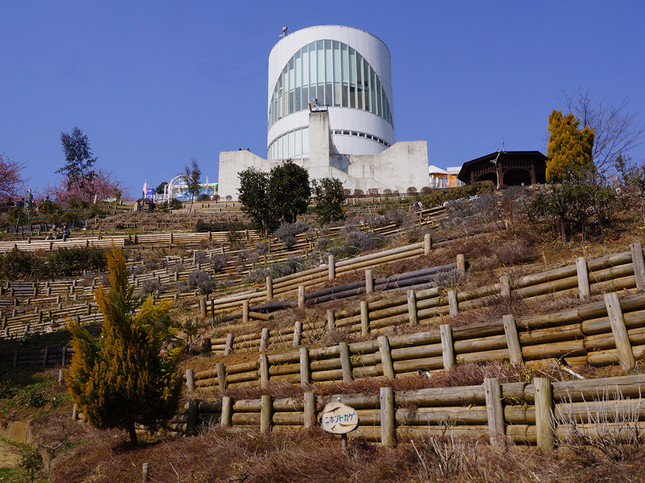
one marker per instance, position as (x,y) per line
(506,168)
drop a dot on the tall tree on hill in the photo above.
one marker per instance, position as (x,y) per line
(78,170)
(124,378)
(253,196)
(329,200)
(11,180)
(191,177)
(288,191)
(569,149)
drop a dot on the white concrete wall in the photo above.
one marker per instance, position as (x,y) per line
(402,165)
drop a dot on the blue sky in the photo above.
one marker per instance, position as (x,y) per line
(156,83)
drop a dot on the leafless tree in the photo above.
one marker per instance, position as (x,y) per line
(617,131)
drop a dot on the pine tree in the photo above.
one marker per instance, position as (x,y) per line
(123,379)
(570,149)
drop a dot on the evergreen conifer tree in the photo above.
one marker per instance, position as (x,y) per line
(570,148)
(123,379)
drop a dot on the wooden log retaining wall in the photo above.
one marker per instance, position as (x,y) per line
(587,334)
(48,357)
(538,413)
(610,273)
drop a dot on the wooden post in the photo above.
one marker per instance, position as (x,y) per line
(227,411)
(331,265)
(495,411)
(505,286)
(63,359)
(301,296)
(447,347)
(386,356)
(266,413)
(228,349)
(369,281)
(639,265)
(45,356)
(544,421)
(365,318)
(206,346)
(269,283)
(427,244)
(461,264)
(452,303)
(512,340)
(221,375)
(412,308)
(584,290)
(264,370)
(309,410)
(388,430)
(193,416)
(202,306)
(345,362)
(245,311)
(618,328)
(264,339)
(305,371)
(297,333)
(190,380)
(331,320)
(145,467)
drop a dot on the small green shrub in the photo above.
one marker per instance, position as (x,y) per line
(66,262)
(439,196)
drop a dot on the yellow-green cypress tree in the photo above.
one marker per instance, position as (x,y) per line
(570,149)
(123,379)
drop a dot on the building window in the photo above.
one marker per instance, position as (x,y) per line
(333,73)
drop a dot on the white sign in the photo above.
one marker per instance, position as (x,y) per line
(338,418)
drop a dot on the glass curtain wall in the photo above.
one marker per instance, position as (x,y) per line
(332,73)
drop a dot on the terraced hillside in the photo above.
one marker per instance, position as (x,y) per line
(465,323)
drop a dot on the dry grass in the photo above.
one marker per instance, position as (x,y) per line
(220,454)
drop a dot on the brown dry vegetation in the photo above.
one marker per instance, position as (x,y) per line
(225,455)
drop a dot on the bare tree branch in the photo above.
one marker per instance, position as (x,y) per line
(617,131)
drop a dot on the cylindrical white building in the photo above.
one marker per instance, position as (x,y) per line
(347,71)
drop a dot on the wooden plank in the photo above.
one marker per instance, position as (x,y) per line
(309,410)
(386,357)
(447,346)
(388,416)
(544,413)
(412,308)
(345,362)
(495,412)
(365,318)
(305,369)
(512,340)
(264,370)
(618,328)
(266,413)
(583,278)
(636,250)
(452,303)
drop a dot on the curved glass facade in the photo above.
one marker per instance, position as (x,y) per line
(335,74)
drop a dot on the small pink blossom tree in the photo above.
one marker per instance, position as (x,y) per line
(11,180)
